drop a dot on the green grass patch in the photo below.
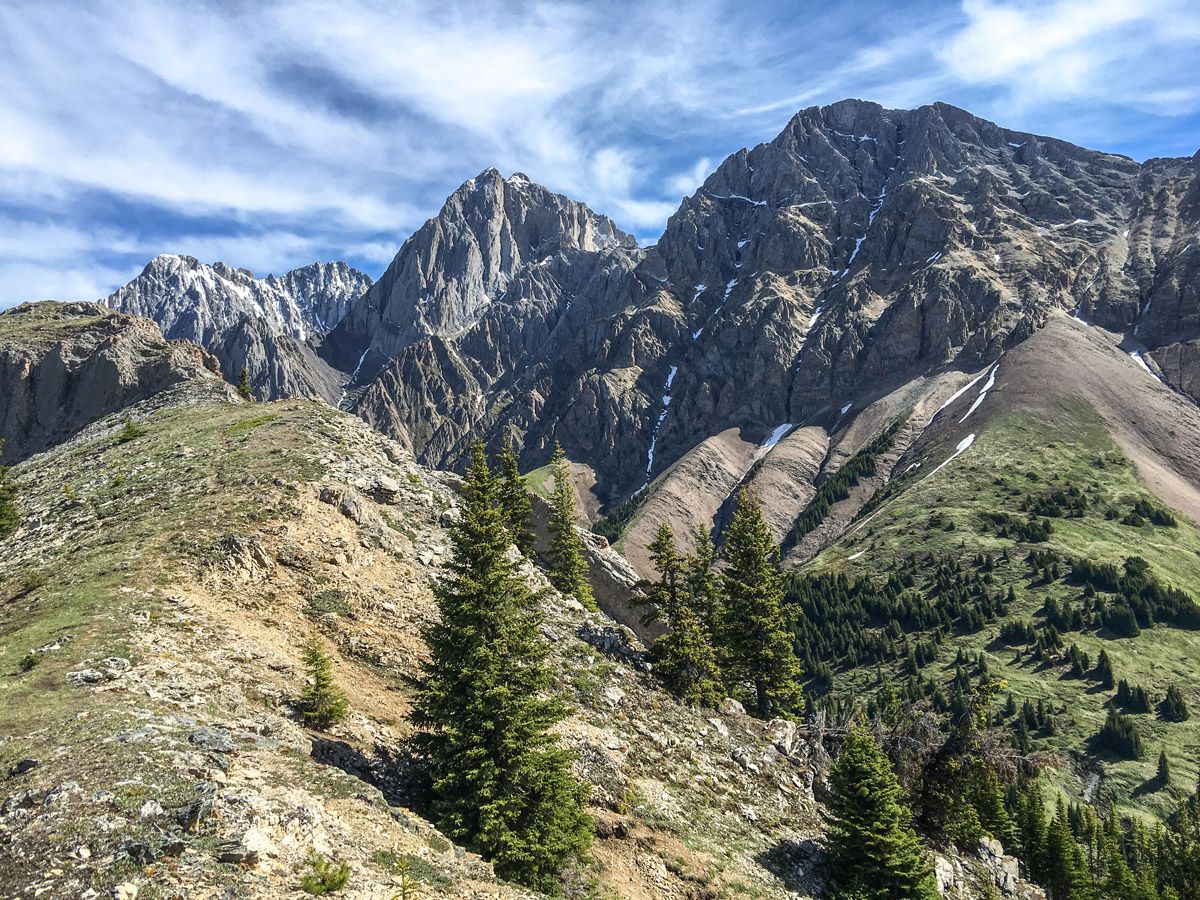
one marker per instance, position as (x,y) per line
(1020,467)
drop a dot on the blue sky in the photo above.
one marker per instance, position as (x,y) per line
(269,135)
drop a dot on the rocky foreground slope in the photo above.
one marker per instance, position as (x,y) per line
(153,605)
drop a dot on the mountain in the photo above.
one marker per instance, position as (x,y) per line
(955,362)
(63,366)
(1011,489)
(861,252)
(267,326)
(154,622)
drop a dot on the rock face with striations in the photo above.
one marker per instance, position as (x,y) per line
(860,249)
(266,326)
(497,315)
(66,365)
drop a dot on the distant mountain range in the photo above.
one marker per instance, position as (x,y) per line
(862,254)
(267,326)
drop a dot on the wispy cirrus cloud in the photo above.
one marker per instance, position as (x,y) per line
(271,134)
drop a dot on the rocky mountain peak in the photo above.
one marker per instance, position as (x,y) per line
(464,260)
(260,325)
(195,301)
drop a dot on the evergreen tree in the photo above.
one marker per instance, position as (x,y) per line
(568,566)
(243,387)
(684,656)
(1031,832)
(10,517)
(1173,707)
(322,702)
(703,590)
(874,852)
(501,783)
(1104,671)
(1164,769)
(514,500)
(754,639)
(1067,876)
(988,800)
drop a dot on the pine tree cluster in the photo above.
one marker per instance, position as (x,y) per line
(500,783)
(1079,854)
(726,632)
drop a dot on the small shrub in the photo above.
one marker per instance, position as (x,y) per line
(322,703)
(328,601)
(30,659)
(129,432)
(325,876)
(10,517)
(243,387)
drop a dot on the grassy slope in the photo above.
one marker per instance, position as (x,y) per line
(43,325)
(134,510)
(540,481)
(992,476)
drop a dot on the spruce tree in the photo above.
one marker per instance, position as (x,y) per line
(874,852)
(514,500)
(1164,769)
(755,644)
(702,587)
(1174,708)
(1104,671)
(1067,876)
(322,702)
(10,516)
(568,566)
(243,387)
(1031,831)
(500,782)
(683,656)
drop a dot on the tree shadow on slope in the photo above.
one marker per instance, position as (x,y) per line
(396,773)
(799,865)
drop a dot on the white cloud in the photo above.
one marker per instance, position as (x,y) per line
(1038,53)
(686,183)
(265,132)
(74,281)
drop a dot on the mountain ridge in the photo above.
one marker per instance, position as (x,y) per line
(859,249)
(264,326)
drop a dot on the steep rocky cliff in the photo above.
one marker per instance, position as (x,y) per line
(862,250)
(265,326)
(66,365)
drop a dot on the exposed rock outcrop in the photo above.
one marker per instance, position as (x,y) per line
(860,249)
(266,326)
(66,365)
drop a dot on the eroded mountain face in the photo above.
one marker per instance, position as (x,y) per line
(66,365)
(858,250)
(262,325)
(861,250)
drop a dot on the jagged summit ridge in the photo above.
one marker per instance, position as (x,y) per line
(195,301)
(861,248)
(465,259)
(264,326)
